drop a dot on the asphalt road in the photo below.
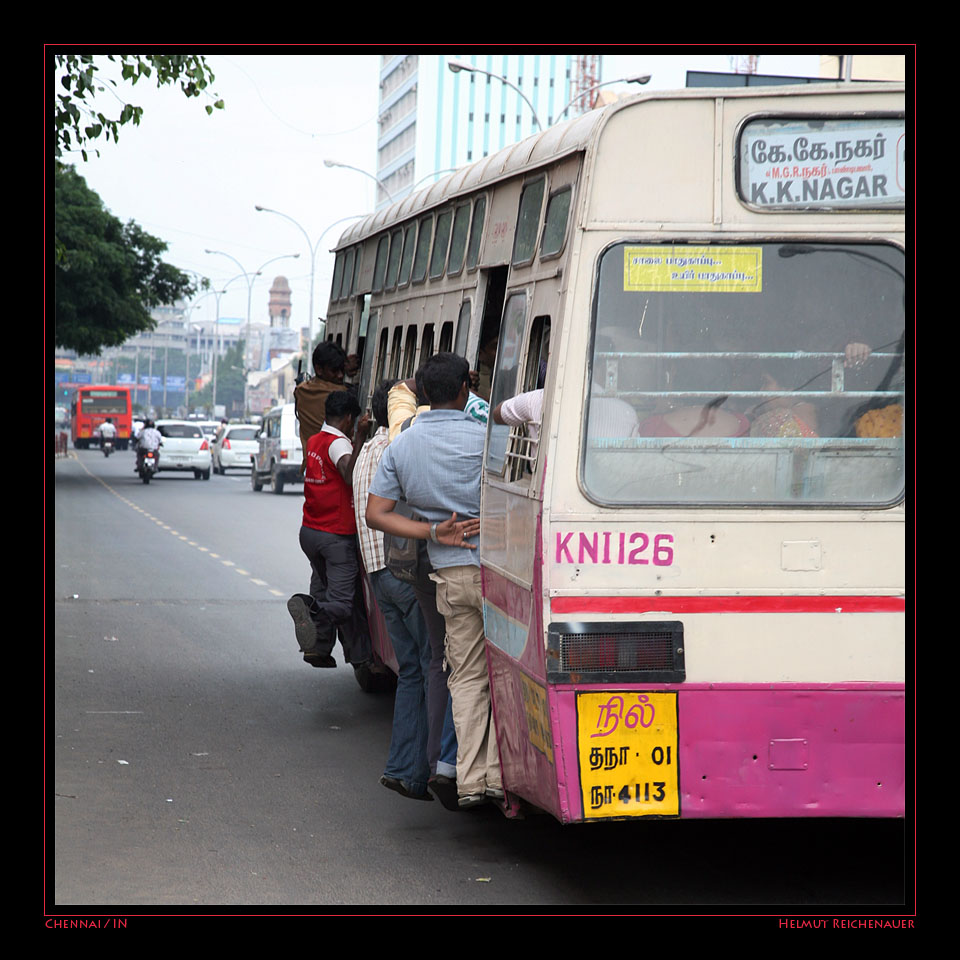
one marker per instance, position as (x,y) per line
(198,762)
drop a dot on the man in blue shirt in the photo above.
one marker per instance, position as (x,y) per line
(435,466)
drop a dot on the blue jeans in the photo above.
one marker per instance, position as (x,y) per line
(407,760)
(442,739)
(447,763)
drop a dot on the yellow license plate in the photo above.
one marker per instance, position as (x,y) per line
(627,745)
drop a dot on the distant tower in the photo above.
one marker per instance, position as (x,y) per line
(586,75)
(745,64)
(280,303)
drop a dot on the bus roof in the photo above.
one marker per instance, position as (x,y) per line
(562,139)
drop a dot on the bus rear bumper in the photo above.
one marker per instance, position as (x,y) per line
(738,750)
(786,751)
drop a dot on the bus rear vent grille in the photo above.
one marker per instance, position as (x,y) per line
(588,652)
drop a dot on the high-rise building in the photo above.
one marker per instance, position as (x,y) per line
(432,120)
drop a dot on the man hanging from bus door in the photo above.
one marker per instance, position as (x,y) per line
(405,401)
(407,768)
(435,466)
(328,539)
(330,364)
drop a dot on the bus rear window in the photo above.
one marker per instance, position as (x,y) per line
(736,374)
(103,401)
(180,431)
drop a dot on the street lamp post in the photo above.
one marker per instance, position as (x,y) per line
(346,166)
(436,173)
(455,66)
(312,254)
(641,79)
(250,279)
(193,306)
(217,294)
(312,247)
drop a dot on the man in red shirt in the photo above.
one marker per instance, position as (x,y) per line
(328,538)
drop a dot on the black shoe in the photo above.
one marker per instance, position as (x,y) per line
(391,783)
(299,607)
(445,790)
(319,660)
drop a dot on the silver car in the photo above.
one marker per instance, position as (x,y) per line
(279,453)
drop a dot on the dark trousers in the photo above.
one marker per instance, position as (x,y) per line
(437,695)
(336,593)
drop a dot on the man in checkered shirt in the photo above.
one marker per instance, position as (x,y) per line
(407,769)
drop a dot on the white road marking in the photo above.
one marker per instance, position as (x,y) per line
(192,543)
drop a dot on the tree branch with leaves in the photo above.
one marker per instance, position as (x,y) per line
(79,78)
(107,275)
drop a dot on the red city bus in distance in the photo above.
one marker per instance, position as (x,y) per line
(91,406)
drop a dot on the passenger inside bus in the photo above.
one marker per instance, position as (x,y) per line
(486,360)
(682,414)
(782,415)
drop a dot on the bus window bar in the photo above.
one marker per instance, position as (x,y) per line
(755,394)
(836,369)
(733,444)
(521,447)
(739,355)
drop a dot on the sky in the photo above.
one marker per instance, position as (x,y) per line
(194,179)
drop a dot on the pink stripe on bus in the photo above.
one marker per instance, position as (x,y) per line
(836,604)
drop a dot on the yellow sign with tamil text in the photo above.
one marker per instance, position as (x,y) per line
(627,745)
(538,718)
(693,269)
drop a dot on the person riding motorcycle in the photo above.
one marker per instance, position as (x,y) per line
(107,432)
(150,439)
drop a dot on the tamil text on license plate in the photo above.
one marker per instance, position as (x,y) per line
(627,745)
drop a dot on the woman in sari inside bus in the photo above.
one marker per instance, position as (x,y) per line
(695,401)
(785,414)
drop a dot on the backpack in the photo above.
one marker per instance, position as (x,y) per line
(406,558)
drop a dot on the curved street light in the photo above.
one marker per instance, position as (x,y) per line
(186,369)
(312,246)
(346,166)
(640,78)
(436,173)
(216,334)
(455,66)
(250,280)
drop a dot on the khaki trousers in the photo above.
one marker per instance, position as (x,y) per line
(459,600)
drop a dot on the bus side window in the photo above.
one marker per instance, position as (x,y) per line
(395,353)
(367,349)
(506,377)
(410,352)
(463,329)
(426,343)
(381,357)
(524,443)
(537,354)
(446,337)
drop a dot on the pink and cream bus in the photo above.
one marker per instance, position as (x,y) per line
(694,564)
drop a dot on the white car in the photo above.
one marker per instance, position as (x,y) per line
(209,427)
(184,447)
(234,447)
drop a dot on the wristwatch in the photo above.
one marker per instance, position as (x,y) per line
(433,533)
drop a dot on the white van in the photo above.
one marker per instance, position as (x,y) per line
(280,454)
